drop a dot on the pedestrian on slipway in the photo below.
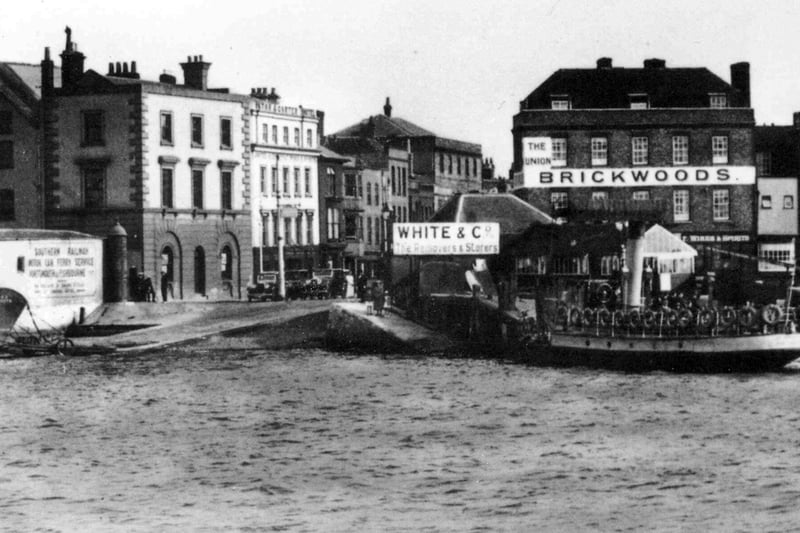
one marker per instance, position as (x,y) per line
(164,282)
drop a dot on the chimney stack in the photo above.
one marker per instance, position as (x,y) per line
(195,73)
(387,108)
(272,97)
(167,78)
(655,63)
(121,70)
(48,76)
(71,62)
(604,62)
(740,81)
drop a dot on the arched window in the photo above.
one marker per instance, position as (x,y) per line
(199,270)
(226,263)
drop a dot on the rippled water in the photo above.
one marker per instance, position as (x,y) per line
(315,441)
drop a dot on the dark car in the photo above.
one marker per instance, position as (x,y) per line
(296,284)
(332,282)
(265,287)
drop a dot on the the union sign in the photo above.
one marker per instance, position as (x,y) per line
(446,238)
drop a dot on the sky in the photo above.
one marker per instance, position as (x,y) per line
(457,68)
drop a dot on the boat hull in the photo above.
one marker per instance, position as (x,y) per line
(745,353)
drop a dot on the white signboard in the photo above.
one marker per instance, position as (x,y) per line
(446,238)
(537,156)
(639,176)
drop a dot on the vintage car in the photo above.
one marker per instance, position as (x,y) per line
(297,284)
(332,281)
(265,287)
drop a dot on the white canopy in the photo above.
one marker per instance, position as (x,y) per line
(668,251)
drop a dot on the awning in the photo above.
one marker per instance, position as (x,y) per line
(663,244)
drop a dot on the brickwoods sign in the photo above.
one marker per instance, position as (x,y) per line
(538,172)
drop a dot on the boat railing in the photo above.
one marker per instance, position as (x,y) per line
(672,322)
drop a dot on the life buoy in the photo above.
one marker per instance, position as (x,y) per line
(685,317)
(771,314)
(649,319)
(575,316)
(562,314)
(604,316)
(670,317)
(747,317)
(727,317)
(619,317)
(706,318)
(604,293)
(635,318)
(589,315)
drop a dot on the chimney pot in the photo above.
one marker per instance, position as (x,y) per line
(125,67)
(110,68)
(604,62)
(133,67)
(118,69)
(387,108)
(47,53)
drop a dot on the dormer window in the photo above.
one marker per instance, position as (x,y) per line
(639,101)
(560,102)
(718,100)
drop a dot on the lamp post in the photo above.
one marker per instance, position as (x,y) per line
(281,229)
(386,215)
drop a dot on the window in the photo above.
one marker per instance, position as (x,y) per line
(225,139)
(640,196)
(333,224)
(94,187)
(286,135)
(394,191)
(274,134)
(639,150)
(331,181)
(287,231)
(351,226)
(718,101)
(360,186)
(309,138)
(310,228)
(780,253)
(226,187)
(297,136)
(377,195)
(560,103)
(721,204)
(369,194)
(788,201)
(559,200)
(265,133)
(458,165)
(6,154)
(5,123)
(350,185)
(680,150)
(719,149)
(167,187)
(197,131)
(600,197)
(7,204)
(298,229)
(286,190)
(197,188)
(369,226)
(307,187)
(599,151)
(166,128)
(441,163)
(639,101)
(263,180)
(92,128)
(466,168)
(570,265)
(559,147)
(609,264)
(474,167)
(680,205)
(297,189)
(764,163)
(275,181)
(766,201)
(449,164)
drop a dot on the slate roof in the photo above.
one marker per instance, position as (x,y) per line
(514,215)
(381,126)
(609,88)
(32,76)
(21,84)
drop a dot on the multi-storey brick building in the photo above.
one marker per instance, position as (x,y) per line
(21,173)
(675,142)
(283,163)
(438,167)
(166,160)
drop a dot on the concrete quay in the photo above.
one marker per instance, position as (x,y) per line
(351,327)
(175,323)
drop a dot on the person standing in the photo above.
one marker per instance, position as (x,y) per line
(164,283)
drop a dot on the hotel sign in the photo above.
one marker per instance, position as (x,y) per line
(446,238)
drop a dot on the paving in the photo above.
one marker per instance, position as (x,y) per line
(172,323)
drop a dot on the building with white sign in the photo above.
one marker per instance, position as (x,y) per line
(675,143)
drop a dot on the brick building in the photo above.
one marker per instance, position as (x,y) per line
(438,167)
(21,172)
(165,160)
(674,143)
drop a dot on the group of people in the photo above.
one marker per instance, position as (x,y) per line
(371,293)
(142,290)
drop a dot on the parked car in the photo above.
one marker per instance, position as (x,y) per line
(332,282)
(265,287)
(296,284)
